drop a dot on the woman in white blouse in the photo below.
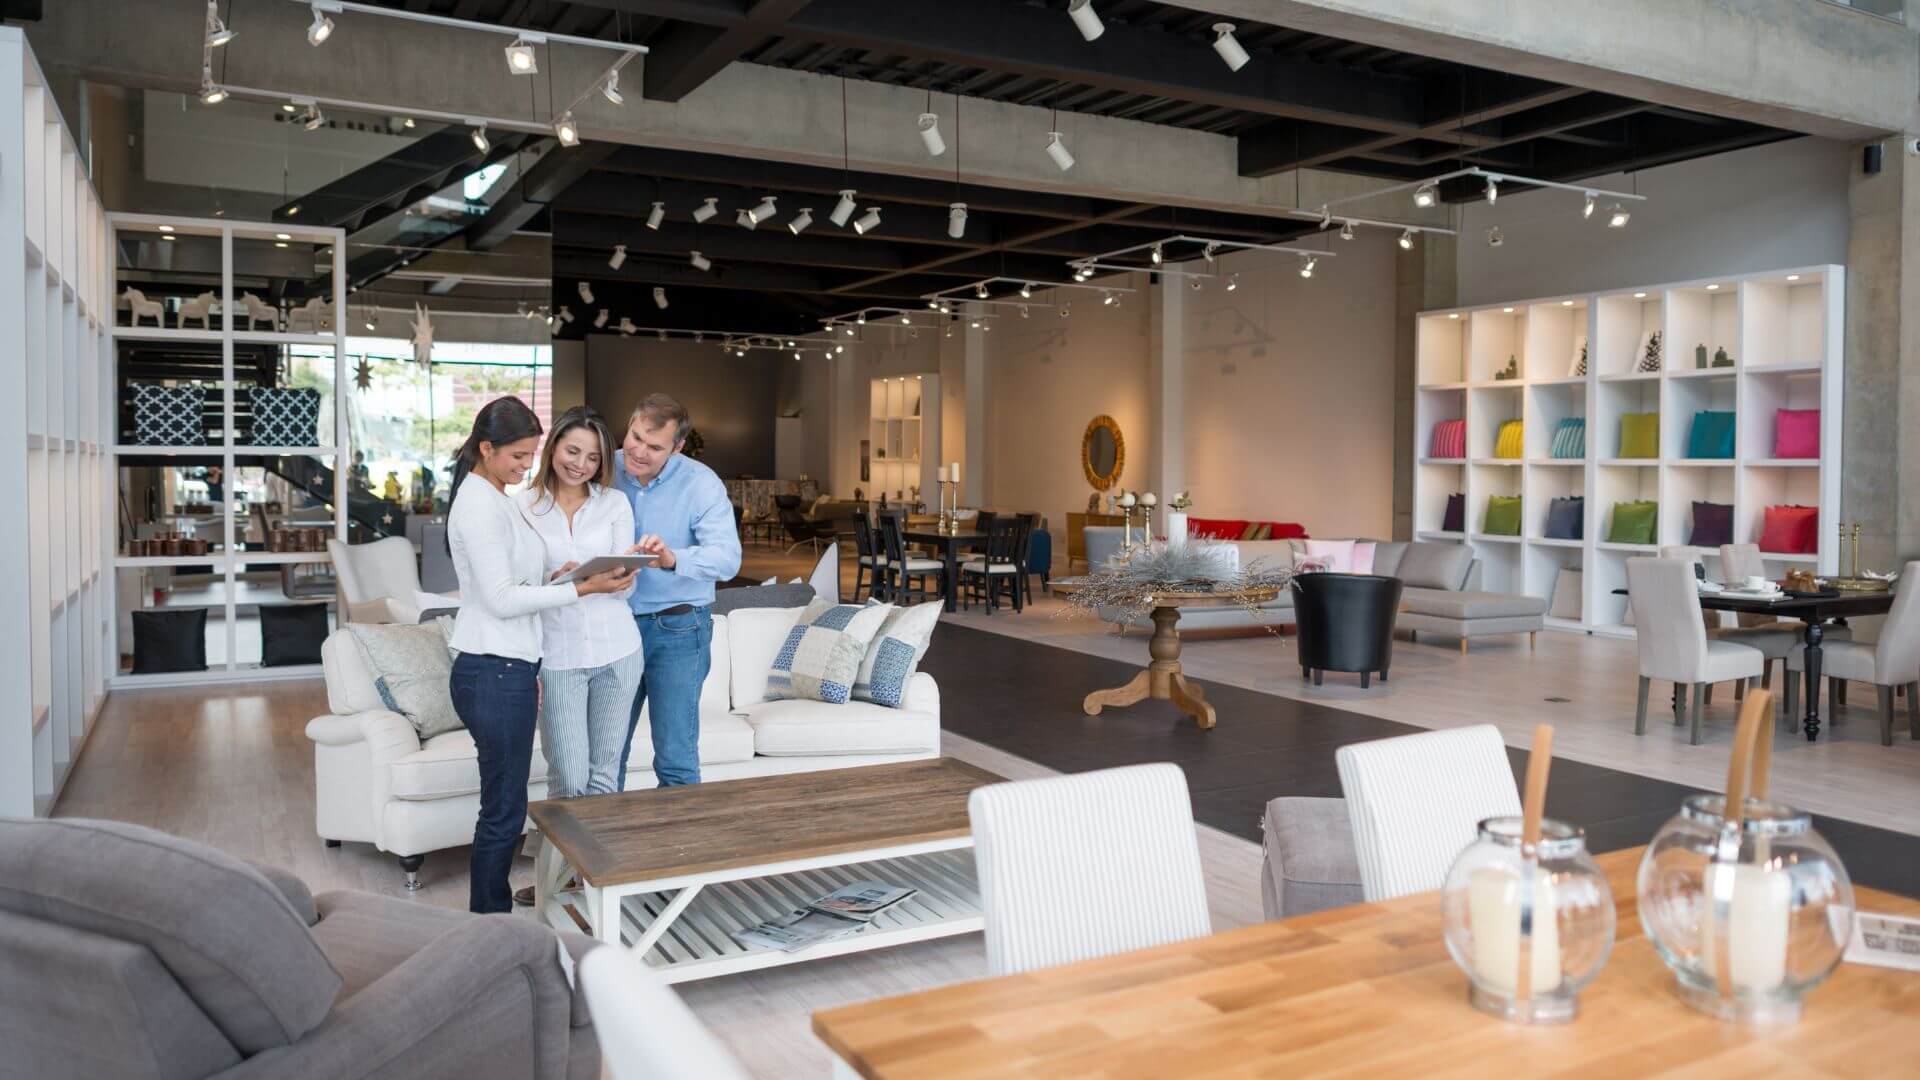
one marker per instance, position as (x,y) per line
(503,575)
(593,663)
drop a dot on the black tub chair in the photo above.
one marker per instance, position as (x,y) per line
(1345,623)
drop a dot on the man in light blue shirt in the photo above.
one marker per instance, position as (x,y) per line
(680,513)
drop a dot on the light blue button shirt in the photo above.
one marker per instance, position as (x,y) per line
(686,506)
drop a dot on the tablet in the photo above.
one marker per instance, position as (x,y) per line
(601,564)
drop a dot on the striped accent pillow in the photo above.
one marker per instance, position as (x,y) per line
(1570,438)
(821,657)
(1512,440)
(1450,439)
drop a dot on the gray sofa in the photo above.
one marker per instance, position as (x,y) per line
(128,953)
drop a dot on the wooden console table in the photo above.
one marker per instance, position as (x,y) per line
(1163,679)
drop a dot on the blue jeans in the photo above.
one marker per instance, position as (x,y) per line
(584,725)
(497,697)
(677,648)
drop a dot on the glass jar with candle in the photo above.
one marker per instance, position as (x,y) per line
(1530,929)
(1749,917)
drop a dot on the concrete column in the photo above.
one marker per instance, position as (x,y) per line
(976,480)
(570,379)
(1880,454)
(1167,385)
(1426,277)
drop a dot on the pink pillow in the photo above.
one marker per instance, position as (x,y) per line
(1336,554)
(1796,433)
(1362,562)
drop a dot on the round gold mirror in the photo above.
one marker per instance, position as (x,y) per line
(1103,453)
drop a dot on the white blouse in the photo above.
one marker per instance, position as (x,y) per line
(599,629)
(501,565)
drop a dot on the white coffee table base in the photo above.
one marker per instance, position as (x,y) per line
(683,926)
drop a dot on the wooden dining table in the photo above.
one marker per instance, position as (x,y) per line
(1364,991)
(949,545)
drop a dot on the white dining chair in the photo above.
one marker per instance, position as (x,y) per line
(1672,635)
(1074,867)
(1893,660)
(646,1032)
(1416,801)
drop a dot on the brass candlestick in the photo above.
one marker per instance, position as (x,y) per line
(1856,550)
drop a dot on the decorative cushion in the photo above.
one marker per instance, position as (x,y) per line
(1711,436)
(1512,441)
(1251,532)
(1503,516)
(1570,438)
(169,415)
(169,641)
(1712,524)
(1450,439)
(1649,354)
(1215,528)
(820,660)
(1796,433)
(1566,595)
(1567,518)
(1791,530)
(1363,556)
(754,636)
(1435,566)
(411,666)
(1454,517)
(285,416)
(1633,522)
(816,729)
(762,596)
(1640,435)
(1284,530)
(895,654)
(1335,556)
(292,633)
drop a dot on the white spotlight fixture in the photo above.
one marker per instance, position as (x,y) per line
(800,221)
(600,320)
(957,220)
(848,329)
(1157,255)
(1087,19)
(586,293)
(210,94)
(705,210)
(1493,191)
(868,221)
(861,318)
(1406,240)
(699,261)
(905,319)
(843,209)
(1057,150)
(1212,249)
(479,138)
(660,298)
(1066,310)
(1233,282)
(565,130)
(321,28)
(744,218)
(1026,290)
(930,134)
(618,258)
(1426,195)
(1106,298)
(980,290)
(656,215)
(796,354)
(838,349)
(1228,46)
(217,32)
(314,120)
(1618,217)
(1586,211)
(1346,231)
(765,210)
(520,57)
(1023,311)
(566,315)
(1494,239)
(611,89)
(1306,268)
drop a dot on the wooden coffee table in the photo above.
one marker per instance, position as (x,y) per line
(673,872)
(1163,679)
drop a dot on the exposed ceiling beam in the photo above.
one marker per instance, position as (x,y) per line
(1279,147)
(380,187)
(553,174)
(949,263)
(687,54)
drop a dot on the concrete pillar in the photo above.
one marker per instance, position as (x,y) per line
(1880,454)
(1426,277)
(570,380)
(976,480)
(1167,386)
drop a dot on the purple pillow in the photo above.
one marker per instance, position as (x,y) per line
(1796,433)
(1712,524)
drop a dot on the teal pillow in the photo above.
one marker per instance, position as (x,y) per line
(1640,435)
(1503,516)
(1712,435)
(1570,438)
(1633,522)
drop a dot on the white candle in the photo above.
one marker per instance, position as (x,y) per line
(953,471)
(943,474)
(1177,528)
(1493,912)
(1759,904)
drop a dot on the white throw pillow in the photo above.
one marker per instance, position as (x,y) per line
(820,660)
(411,667)
(895,654)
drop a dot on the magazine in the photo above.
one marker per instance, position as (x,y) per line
(841,913)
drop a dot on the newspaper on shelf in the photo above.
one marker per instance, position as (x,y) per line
(843,912)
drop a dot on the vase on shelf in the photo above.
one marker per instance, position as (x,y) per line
(1700,355)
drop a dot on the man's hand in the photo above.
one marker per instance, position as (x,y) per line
(653,545)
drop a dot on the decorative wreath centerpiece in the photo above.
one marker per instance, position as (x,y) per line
(1130,585)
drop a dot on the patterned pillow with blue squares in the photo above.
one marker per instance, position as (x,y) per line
(821,657)
(895,654)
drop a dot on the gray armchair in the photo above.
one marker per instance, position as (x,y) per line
(1309,861)
(126,952)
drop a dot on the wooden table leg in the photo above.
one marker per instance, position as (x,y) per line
(1188,696)
(1814,635)
(1162,679)
(1139,688)
(952,580)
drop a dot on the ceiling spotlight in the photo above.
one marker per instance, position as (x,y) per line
(1406,240)
(1023,311)
(566,315)
(1494,239)
(1306,268)
(520,57)
(1057,150)
(933,305)
(289,107)
(1066,310)
(1228,46)
(660,298)
(479,137)
(276,243)
(1326,218)
(1233,282)
(800,221)
(975,324)
(838,349)
(321,28)
(1106,297)
(611,89)
(1346,231)
(1195,286)
(843,209)
(1586,211)
(627,329)
(705,210)
(957,220)
(1426,195)
(1793,277)
(699,261)
(868,221)
(369,323)
(169,228)
(1086,19)
(930,134)
(1157,255)
(1713,288)
(1639,296)
(586,293)
(848,329)
(314,120)
(1493,191)
(860,317)
(1026,290)
(217,32)
(618,258)
(565,131)
(600,320)
(744,218)
(210,94)
(1212,249)
(1618,217)
(698,337)
(765,210)
(408,123)
(980,290)
(790,343)
(905,319)
(656,215)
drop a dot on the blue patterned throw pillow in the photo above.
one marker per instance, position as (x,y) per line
(821,657)
(895,655)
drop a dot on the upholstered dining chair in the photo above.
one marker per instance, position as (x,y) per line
(646,1032)
(1416,801)
(1672,635)
(1775,640)
(1891,661)
(1073,867)
(870,563)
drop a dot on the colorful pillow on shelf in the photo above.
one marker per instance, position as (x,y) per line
(1791,530)
(1503,516)
(1512,441)
(1454,517)
(1640,435)
(1570,438)
(1450,439)
(1711,435)
(1567,518)
(1634,522)
(1796,433)
(1712,525)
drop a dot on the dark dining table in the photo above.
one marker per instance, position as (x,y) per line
(949,545)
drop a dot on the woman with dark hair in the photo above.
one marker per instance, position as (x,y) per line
(501,564)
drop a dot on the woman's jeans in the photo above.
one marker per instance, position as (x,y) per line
(497,697)
(583,725)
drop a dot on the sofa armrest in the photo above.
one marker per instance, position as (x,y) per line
(923,694)
(388,733)
(1310,863)
(293,888)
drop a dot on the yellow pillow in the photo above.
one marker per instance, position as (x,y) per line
(1512,440)
(1251,532)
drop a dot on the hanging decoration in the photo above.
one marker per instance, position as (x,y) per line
(422,337)
(363,374)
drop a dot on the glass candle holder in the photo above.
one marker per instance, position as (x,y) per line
(1749,918)
(1530,928)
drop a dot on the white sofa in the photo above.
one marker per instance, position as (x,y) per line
(376,782)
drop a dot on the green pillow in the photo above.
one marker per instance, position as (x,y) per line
(1640,435)
(1503,516)
(1633,522)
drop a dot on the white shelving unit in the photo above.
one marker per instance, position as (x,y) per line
(228,563)
(1783,330)
(55,308)
(903,421)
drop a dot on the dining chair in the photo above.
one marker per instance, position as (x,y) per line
(1889,662)
(986,575)
(1031,533)
(1672,636)
(1074,867)
(869,565)
(902,569)
(646,1032)
(1416,801)
(1775,640)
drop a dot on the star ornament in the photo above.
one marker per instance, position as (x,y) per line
(363,374)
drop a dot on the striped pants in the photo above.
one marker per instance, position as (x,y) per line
(583,725)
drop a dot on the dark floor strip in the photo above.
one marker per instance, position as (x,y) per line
(1024,697)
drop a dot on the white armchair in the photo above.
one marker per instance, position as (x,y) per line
(648,1033)
(380,582)
(1672,635)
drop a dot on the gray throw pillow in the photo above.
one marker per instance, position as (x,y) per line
(1428,565)
(411,667)
(762,596)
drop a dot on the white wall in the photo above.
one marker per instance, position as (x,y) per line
(1765,208)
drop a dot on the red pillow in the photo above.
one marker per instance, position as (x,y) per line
(1791,530)
(1215,528)
(1286,530)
